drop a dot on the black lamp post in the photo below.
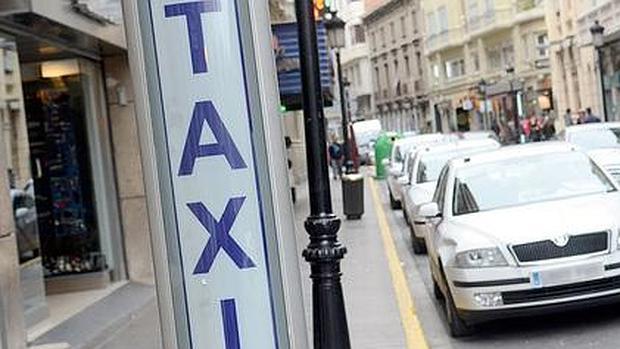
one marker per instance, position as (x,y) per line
(597,31)
(513,95)
(482,87)
(336,40)
(323,252)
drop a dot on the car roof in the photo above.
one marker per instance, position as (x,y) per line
(459,144)
(423,138)
(592,126)
(513,152)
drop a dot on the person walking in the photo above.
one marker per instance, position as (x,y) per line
(335,155)
(568,118)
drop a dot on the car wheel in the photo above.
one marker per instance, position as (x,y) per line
(437,291)
(394,205)
(418,244)
(458,327)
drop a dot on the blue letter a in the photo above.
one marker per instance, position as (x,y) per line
(224,145)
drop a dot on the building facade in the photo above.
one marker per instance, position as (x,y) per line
(395,35)
(488,62)
(73,204)
(576,62)
(355,61)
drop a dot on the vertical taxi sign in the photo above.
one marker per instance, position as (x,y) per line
(223,239)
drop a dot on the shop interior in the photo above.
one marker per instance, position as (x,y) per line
(51,110)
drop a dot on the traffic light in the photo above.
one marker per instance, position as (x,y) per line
(320,7)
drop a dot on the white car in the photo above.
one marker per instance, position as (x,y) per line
(523,230)
(601,141)
(396,163)
(422,175)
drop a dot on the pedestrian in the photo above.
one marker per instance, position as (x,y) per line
(335,156)
(590,118)
(581,117)
(548,128)
(568,118)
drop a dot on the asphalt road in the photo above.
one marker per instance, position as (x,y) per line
(588,328)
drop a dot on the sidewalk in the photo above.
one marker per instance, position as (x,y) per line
(372,311)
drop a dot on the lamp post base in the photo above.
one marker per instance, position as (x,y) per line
(324,254)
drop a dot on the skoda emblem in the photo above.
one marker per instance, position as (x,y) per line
(561,241)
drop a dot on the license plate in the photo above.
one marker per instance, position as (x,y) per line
(566,275)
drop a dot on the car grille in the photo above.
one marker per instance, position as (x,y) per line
(577,245)
(563,291)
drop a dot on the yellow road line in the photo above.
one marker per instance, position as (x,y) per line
(411,325)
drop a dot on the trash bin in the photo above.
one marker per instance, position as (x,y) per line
(383,150)
(353,195)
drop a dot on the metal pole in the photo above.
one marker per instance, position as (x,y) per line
(323,252)
(602,78)
(343,110)
(515,112)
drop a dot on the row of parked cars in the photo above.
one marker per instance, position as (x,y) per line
(517,230)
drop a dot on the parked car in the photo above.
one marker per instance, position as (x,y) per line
(365,134)
(601,141)
(527,229)
(396,163)
(422,177)
(25,215)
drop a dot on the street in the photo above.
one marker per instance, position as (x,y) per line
(588,328)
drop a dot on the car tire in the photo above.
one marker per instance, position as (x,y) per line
(418,244)
(458,327)
(437,291)
(394,205)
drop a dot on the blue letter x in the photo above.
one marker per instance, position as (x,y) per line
(220,235)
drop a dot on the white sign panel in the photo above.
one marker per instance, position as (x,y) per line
(214,181)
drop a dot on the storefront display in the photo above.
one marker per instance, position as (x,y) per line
(61,169)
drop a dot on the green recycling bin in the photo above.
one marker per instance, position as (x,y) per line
(383,150)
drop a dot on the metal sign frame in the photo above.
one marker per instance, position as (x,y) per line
(269,164)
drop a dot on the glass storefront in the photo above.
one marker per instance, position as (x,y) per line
(56,147)
(61,169)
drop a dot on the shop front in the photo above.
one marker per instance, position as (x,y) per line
(58,108)
(610,59)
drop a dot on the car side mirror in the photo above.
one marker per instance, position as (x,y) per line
(403,180)
(430,210)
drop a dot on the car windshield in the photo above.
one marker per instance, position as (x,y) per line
(431,163)
(527,180)
(596,138)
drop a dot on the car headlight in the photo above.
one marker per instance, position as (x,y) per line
(480,258)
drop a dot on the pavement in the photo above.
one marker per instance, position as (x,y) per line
(371,299)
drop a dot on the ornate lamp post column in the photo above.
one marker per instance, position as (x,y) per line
(324,251)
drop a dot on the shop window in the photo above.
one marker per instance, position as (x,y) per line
(62,176)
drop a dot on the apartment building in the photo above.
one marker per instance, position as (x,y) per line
(396,56)
(577,76)
(488,62)
(355,60)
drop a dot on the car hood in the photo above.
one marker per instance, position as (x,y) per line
(542,221)
(606,157)
(422,192)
